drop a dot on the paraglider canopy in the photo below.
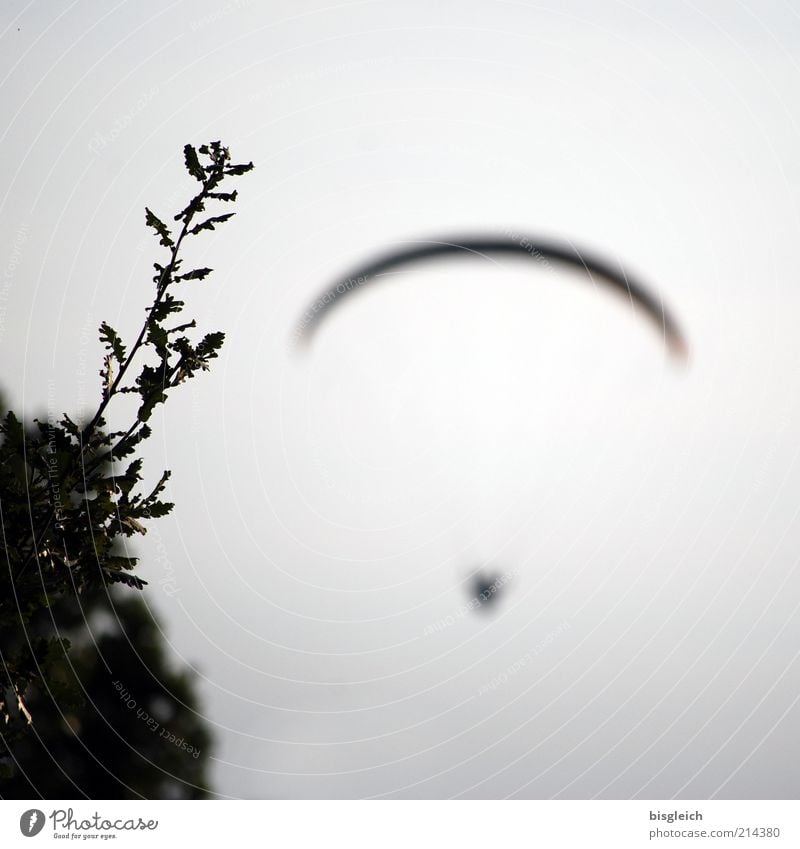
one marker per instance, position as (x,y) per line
(598,270)
(485,588)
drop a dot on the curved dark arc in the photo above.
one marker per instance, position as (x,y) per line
(618,280)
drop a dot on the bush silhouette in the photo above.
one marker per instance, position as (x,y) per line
(70,499)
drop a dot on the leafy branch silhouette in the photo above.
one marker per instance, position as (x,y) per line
(66,504)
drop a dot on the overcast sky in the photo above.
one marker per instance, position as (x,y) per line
(331,504)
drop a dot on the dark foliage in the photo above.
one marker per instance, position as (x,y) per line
(70,495)
(113,719)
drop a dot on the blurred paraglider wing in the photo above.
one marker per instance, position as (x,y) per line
(597,269)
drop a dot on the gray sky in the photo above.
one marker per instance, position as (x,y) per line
(330,506)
